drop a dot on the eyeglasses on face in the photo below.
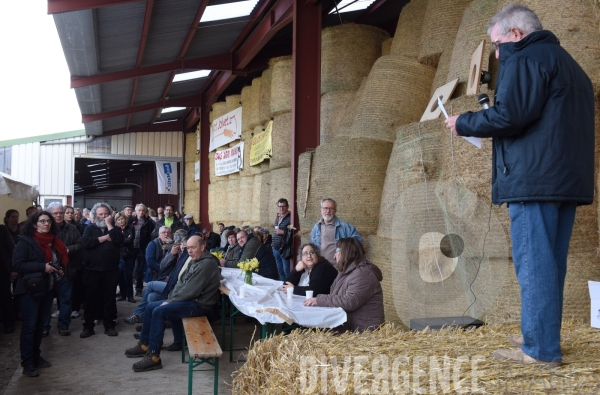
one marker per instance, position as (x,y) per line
(307,253)
(44,221)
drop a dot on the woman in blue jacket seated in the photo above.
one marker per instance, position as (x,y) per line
(311,273)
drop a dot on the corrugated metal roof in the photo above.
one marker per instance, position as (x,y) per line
(187,88)
(115,123)
(151,87)
(116,95)
(119,30)
(141,118)
(169,26)
(214,38)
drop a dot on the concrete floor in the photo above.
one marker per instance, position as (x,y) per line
(98,365)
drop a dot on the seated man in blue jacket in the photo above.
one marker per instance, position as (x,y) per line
(195,294)
(155,253)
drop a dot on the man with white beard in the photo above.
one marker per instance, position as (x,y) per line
(330,229)
(101,243)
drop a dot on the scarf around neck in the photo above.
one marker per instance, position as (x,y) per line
(45,239)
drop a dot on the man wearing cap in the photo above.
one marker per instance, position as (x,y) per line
(213,240)
(190,226)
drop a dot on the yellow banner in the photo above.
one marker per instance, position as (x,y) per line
(262,146)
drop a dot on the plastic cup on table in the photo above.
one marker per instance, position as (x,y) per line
(242,292)
(309,294)
(290,292)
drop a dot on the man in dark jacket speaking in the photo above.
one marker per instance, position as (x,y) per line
(542,125)
(101,243)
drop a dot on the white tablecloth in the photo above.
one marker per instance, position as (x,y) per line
(266,294)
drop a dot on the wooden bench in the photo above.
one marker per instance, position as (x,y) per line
(202,348)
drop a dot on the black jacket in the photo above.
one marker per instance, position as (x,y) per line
(127,245)
(175,226)
(70,236)
(542,124)
(98,256)
(213,241)
(28,258)
(267,267)
(145,231)
(321,277)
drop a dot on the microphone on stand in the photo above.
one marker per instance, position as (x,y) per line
(484,100)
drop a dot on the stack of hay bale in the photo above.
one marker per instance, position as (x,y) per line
(191,199)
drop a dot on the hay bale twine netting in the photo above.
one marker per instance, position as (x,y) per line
(379,252)
(348,52)
(282,141)
(333,110)
(264,96)
(396,91)
(348,116)
(407,38)
(390,360)
(339,172)
(250,96)
(281,84)
(472,29)
(440,24)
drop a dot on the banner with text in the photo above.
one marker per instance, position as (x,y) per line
(230,160)
(262,145)
(226,129)
(166,173)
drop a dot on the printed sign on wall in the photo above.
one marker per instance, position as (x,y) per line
(230,160)
(226,129)
(166,173)
(262,145)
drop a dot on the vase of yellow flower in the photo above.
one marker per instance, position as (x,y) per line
(248,266)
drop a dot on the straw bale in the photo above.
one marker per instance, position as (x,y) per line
(217,201)
(333,110)
(233,102)
(441,72)
(351,108)
(211,169)
(246,199)
(440,24)
(305,161)
(190,148)
(472,29)
(405,167)
(340,171)
(218,109)
(264,97)
(397,90)
(189,182)
(261,211)
(281,84)
(386,46)
(348,52)
(232,198)
(191,205)
(282,141)
(279,187)
(407,38)
(250,105)
(393,360)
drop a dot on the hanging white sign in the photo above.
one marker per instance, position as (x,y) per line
(226,129)
(166,173)
(230,160)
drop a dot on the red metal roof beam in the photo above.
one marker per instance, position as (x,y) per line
(188,101)
(216,62)
(59,6)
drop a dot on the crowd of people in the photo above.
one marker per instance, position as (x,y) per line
(91,259)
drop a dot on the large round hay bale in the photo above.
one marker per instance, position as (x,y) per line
(348,52)
(333,110)
(281,84)
(472,29)
(340,171)
(441,72)
(407,38)
(250,105)
(348,117)
(396,91)
(233,102)
(246,199)
(417,148)
(264,97)
(386,46)
(440,24)
(282,141)
(218,109)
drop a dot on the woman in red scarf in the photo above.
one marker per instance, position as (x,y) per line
(38,250)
